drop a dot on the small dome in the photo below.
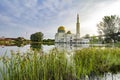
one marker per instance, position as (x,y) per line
(69,32)
(61,29)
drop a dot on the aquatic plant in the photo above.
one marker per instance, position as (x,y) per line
(97,61)
(55,65)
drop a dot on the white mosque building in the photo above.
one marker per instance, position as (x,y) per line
(62,37)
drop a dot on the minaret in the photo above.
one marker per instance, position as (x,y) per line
(78,26)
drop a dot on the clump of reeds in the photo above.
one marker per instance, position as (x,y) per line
(97,61)
(34,65)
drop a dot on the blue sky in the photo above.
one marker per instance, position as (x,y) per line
(24,17)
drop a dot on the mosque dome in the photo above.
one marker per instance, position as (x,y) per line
(61,29)
(69,32)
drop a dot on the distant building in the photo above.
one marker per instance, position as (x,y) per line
(67,37)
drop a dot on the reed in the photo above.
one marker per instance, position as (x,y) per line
(55,65)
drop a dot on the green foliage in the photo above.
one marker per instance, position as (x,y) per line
(97,61)
(48,41)
(57,65)
(87,36)
(20,41)
(109,27)
(93,40)
(37,37)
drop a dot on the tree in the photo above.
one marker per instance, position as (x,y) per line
(109,27)
(94,39)
(87,36)
(37,37)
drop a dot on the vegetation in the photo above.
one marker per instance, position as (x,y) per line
(58,65)
(110,28)
(87,36)
(20,41)
(6,42)
(36,37)
(94,40)
(113,44)
(97,61)
(48,41)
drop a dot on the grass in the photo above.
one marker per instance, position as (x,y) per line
(97,61)
(57,66)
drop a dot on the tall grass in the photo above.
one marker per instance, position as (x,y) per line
(97,61)
(55,65)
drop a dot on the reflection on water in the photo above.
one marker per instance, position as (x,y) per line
(106,76)
(109,76)
(41,48)
(7,49)
(36,46)
(70,47)
(44,47)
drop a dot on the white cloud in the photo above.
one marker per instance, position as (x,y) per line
(4,19)
(47,16)
(30,3)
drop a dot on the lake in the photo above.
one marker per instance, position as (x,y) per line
(45,48)
(6,50)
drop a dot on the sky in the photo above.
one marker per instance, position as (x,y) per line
(25,17)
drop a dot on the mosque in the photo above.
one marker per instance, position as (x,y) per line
(67,37)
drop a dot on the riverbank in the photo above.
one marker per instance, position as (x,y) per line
(58,65)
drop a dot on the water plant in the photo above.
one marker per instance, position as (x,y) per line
(97,61)
(55,65)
